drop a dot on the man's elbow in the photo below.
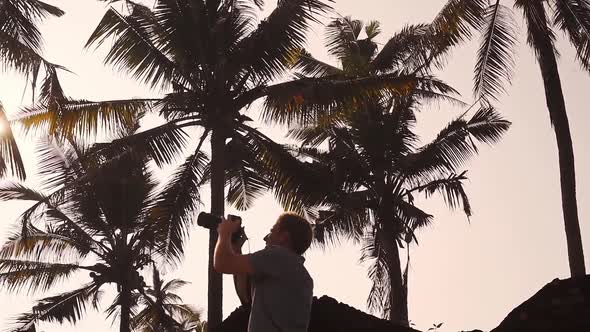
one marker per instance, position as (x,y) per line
(219,266)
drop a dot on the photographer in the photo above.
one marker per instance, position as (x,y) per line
(281,286)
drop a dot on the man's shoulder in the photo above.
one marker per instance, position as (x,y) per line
(274,249)
(268,261)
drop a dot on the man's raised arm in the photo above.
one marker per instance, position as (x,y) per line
(225,260)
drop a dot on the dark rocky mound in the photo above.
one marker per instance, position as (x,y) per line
(327,315)
(560,306)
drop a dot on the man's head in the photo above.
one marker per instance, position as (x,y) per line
(291,231)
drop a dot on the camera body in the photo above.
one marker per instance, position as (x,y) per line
(210,221)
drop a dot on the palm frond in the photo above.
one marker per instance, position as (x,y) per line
(309,136)
(140,320)
(57,162)
(495,58)
(184,313)
(342,35)
(82,117)
(80,232)
(190,34)
(306,64)
(573,17)
(540,36)
(51,96)
(451,189)
(296,184)
(163,144)
(454,145)
(114,310)
(18,56)
(428,96)
(19,23)
(146,320)
(408,48)
(137,48)
(234,22)
(247,11)
(487,125)
(412,216)
(121,192)
(303,101)
(347,219)
(158,304)
(267,51)
(52,93)
(20,39)
(454,24)
(372,29)
(432,89)
(245,181)
(38,247)
(33,10)
(174,285)
(69,306)
(77,214)
(373,251)
(26,219)
(10,190)
(16,275)
(42,9)
(10,157)
(155,318)
(175,205)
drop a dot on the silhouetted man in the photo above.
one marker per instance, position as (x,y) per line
(282,289)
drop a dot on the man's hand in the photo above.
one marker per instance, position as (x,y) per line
(225,259)
(227,227)
(237,244)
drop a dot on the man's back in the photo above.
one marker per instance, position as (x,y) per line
(282,294)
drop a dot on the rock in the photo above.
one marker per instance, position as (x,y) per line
(327,314)
(560,306)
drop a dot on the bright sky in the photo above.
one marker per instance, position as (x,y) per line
(466,274)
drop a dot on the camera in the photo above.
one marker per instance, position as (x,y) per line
(210,221)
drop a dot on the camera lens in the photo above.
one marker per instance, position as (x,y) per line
(208,220)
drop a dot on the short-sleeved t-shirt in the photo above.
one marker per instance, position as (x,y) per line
(282,291)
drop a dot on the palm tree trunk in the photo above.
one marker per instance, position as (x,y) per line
(558,115)
(215,290)
(398,308)
(125,302)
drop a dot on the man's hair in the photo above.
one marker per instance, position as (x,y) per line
(299,229)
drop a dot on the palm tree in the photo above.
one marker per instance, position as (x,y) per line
(20,50)
(97,220)
(495,65)
(214,59)
(20,38)
(376,170)
(163,310)
(363,185)
(370,175)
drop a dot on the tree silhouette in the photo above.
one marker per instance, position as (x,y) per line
(213,59)
(20,50)
(97,218)
(163,310)
(495,65)
(362,184)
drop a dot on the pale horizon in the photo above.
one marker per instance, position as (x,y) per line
(467,274)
